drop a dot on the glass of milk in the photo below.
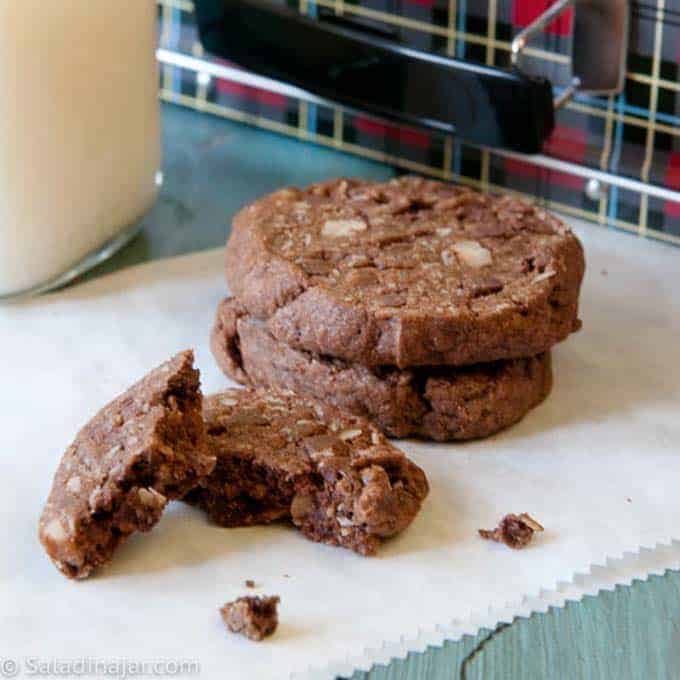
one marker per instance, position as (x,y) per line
(79,135)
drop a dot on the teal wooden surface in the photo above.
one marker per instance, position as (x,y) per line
(212,167)
(631,633)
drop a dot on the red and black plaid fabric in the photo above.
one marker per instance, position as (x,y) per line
(635,134)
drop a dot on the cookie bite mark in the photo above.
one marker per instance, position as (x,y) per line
(282,456)
(146,447)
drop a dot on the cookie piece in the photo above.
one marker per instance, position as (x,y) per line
(406,273)
(146,447)
(440,403)
(254,617)
(516,531)
(282,456)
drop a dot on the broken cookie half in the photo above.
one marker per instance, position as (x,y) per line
(280,456)
(146,447)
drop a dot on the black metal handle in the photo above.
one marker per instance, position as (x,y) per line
(362,70)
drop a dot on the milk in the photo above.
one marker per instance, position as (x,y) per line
(79,131)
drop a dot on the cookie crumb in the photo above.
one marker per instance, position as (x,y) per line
(250,583)
(254,617)
(516,531)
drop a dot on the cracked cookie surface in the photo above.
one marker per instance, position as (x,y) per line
(405,273)
(282,456)
(440,403)
(146,447)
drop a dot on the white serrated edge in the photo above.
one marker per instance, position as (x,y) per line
(619,570)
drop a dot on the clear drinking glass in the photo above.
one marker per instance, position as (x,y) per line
(79,135)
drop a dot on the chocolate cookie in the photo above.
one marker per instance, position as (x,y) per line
(440,403)
(409,272)
(144,448)
(254,617)
(282,456)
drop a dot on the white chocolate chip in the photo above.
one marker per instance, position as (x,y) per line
(375,437)
(73,485)
(95,498)
(545,275)
(357,260)
(151,498)
(448,258)
(344,521)
(444,231)
(323,453)
(472,253)
(114,450)
(55,531)
(228,401)
(116,471)
(346,435)
(340,228)
(367,475)
(531,522)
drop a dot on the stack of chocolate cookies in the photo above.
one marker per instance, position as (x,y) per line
(426,307)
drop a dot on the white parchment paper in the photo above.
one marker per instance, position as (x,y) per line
(598,464)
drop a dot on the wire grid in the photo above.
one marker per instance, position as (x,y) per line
(635,134)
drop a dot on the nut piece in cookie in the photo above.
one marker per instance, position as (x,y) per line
(146,447)
(516,531)
(281,456)
(254,617)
